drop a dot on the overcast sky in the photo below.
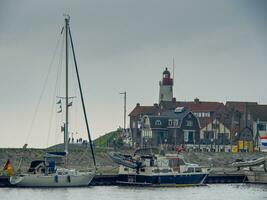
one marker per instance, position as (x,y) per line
(219,49)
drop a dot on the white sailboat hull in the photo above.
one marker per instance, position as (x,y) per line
(52,180)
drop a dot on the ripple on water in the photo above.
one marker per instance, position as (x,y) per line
(213,192)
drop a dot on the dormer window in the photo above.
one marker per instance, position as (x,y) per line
(189,123)
(170,122)
(158,123)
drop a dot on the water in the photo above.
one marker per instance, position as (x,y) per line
(213,192)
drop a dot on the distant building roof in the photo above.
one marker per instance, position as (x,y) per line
(144,110)
(258,112)
(239,105)
(200,106)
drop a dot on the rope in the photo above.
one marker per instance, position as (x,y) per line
(83,106)
(53,96)
(42,91)
(58,92)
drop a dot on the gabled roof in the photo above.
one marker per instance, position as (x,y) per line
(205,121)
(245,134)
(258,112)
(163,121)
(166,115)
(239,105)
(144,110)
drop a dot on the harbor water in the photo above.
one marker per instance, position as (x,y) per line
(213,192)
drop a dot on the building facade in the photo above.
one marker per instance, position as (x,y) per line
(172,128)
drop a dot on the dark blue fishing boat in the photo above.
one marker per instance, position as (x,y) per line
(158,170)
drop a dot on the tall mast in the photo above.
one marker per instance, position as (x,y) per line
(67,19)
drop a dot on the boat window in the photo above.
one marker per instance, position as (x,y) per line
(165,171)
(198,169)
(156,171)
(126,169)
(190,170)
(142,170)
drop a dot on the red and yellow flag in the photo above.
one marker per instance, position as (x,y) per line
(8,168)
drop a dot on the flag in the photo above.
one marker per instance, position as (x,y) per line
(263,141)
(70,104)
(63,128)
(59,101)
(60,109)
(8,168)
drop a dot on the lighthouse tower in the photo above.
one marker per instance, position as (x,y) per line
(165,87)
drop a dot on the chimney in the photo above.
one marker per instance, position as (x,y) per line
(173,99)
(196,100)
(138,105)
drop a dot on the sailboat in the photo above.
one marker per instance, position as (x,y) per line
(46,173)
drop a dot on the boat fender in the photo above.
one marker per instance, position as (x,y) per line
(56,179)
(69,180)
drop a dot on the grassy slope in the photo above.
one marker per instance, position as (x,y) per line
(103,141)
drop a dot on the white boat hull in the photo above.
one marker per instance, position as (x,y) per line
(52,180)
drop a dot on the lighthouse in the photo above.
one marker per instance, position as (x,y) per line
(165,87)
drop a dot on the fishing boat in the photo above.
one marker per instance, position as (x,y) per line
(53,171)
(158,170)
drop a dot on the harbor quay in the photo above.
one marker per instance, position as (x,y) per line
(218,163)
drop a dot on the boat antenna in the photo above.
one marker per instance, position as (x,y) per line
(173,70)
(81,94)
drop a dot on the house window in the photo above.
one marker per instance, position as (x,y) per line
(261,126)
(175,122)
(158,122)
(189,137)
(189,123)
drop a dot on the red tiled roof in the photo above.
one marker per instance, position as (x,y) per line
(144,110)
(201,106)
